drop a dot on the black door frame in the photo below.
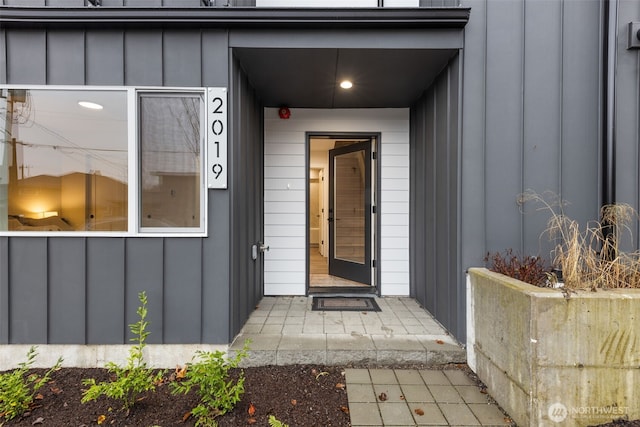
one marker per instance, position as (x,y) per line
(376,138)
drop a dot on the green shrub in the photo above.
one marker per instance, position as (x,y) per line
(133,379)
(17,389)
(208,375)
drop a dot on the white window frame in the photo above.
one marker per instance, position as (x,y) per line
(133,167)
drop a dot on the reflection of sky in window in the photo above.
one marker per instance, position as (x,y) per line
(56,136)
(170,136)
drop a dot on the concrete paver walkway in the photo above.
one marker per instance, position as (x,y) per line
(285,330)
(412,397)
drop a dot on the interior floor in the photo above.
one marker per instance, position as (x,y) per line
(319,273)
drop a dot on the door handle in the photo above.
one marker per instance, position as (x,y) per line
(260,247)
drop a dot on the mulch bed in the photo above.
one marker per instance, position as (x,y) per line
(299,395)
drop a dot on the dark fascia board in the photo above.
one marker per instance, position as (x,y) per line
(232,17)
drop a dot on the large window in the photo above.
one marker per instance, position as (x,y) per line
(72,161)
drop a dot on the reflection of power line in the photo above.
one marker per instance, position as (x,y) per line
(72,149)
(63,147)
(71,153)
(67,140)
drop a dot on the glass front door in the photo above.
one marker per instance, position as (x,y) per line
(350,212)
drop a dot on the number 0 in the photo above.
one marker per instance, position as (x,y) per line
(217,127)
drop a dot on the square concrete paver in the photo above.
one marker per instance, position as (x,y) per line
(431,414)
(489,415)
(388,393)
(395,414)
(358,376)
(458,377)
(364,414)
(458,414)
(416,393)
(471,394)
(408,376)
(445,394)
(432,377)
(383,376)
(361,393)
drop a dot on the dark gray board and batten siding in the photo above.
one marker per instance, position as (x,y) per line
(530,119)
(84,290)
(434,216)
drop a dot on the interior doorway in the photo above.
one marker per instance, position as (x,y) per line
(341,223)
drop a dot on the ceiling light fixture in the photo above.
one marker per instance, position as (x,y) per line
(346,84)
(90,105)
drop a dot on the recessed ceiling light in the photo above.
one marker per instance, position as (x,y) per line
(90,105)
(346,84)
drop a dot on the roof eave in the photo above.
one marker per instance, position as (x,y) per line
(238,17)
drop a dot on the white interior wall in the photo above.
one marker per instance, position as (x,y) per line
(284,194)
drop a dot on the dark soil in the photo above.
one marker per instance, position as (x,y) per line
(299,395)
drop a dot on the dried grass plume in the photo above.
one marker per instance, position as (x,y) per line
(591,257)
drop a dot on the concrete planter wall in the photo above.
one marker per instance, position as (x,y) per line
(551,360)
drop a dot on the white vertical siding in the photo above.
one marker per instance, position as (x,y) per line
(285,210)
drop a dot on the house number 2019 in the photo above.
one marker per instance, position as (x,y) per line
(217,137)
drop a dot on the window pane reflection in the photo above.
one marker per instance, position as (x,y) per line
(170,151)
(349,194)
(63,167)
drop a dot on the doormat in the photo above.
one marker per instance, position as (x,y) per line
(344,304)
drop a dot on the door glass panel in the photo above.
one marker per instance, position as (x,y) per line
(349,210)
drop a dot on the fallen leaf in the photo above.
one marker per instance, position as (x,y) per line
(56,390)
(38,420)
(101,419)
(186,416)
(419,411)
(252,421)
(340,386)
(181,372)
(439,342)
(383,396)
(39,396)
(321,374)
(344,409)
(294,402)
(252,409)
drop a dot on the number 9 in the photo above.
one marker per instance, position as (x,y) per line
(217,170)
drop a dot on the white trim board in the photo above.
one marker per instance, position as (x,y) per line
(284,183)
